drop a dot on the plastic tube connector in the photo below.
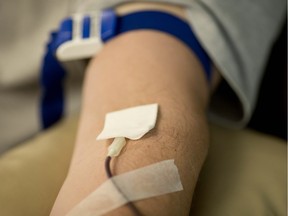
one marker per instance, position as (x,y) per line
(116,146)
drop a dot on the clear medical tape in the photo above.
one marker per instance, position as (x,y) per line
(150,181)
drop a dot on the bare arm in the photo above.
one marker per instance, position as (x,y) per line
(140,68)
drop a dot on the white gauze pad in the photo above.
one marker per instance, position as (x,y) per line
(132,123)
(150,181)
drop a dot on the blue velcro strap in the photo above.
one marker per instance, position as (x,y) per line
(52,77)
(86,22)
(108,25)
(113,25)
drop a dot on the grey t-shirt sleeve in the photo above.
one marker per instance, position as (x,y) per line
(238,36)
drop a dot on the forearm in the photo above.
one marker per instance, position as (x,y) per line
(134,69)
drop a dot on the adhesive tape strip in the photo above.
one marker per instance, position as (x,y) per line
(132,123)
(150,181)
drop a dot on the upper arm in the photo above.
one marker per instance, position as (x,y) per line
(142,67)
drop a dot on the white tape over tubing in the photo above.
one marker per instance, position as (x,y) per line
(150,181)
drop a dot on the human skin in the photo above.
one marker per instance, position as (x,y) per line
(137,68)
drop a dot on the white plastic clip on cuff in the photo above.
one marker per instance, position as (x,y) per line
(85,41)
